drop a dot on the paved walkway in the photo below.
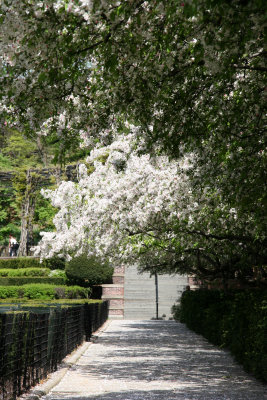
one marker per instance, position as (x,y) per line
(155,360)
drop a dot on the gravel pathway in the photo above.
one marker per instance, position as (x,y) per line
(155,360)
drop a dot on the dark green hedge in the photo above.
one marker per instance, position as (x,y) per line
(44,291)
(235,320)
(23,280)
(31,262)
(88,271)
(20,262)
(54,263)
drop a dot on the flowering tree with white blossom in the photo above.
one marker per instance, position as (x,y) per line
(137,208)
(189,74)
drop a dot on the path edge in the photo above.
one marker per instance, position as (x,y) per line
(53,379)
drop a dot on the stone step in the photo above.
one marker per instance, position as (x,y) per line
(114,296)
(115,316)
(116,307)
(133,295)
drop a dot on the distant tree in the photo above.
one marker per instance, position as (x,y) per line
(23,211)
(21,206)
(21,151)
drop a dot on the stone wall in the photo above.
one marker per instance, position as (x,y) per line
(115,293)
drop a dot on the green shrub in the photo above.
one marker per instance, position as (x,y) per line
(23,280)
(54,263)
(57,273)
(235,320)
(20,262)
(8,272)
(88,271)
(44,291)
(32,262)
(10,292)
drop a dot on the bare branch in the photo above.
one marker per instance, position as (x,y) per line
(247,67)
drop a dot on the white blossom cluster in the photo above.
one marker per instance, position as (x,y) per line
(140,208)
(109,207)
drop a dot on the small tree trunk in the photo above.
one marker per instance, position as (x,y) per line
(42,151)
(27,214)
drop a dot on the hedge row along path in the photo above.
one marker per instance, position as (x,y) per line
(155,360)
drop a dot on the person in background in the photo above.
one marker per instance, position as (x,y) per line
(13,246)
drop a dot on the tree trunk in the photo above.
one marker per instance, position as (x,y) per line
(42,151)
(27,214)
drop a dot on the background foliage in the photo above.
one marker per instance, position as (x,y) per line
(17,155)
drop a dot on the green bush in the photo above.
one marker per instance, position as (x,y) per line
(57,273)
(32,262)
(23,280)
(8,272)
(88,271)
(236,320)
(10,292)
(20,262)
(44,291)
(54,263)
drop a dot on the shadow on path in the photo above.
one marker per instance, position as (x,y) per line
(156,395)
(161,360)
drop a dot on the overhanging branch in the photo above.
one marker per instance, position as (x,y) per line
(247,67)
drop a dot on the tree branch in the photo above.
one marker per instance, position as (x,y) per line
(108,36)
(247,67)
(220,237)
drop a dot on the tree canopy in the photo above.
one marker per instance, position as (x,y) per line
(190,75)
(137,208)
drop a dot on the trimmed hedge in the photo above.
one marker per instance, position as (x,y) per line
(44,291)
(20,262)
(31,262)
(236,320)
(88,271)
(23,280)
(43,302)
(11,272)
(54,263)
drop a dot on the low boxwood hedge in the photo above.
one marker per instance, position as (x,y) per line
(23,280)
(236,320)
(32,262)
(20,262)
(54,263)
(10,272)
(44,291)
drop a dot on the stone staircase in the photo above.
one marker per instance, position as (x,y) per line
(133,295)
